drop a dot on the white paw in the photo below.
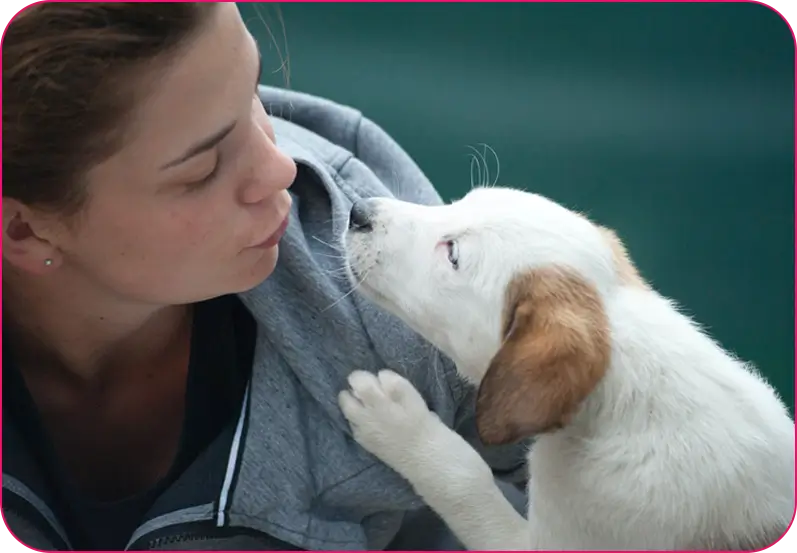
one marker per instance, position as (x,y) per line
(387,414)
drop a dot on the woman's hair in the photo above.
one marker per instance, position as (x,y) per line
(72,74)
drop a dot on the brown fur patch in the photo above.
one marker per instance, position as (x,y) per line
(626,271)
(556,350)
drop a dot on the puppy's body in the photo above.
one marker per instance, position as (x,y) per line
(649,434)
(679,447)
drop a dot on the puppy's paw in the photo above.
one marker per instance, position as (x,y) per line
(386,413)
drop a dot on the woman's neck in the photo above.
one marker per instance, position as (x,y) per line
(76,330)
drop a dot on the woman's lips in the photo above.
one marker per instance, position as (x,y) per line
(274,239)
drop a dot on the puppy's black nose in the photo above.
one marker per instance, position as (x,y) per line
(361,215)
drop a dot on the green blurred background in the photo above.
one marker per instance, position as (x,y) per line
(672,123)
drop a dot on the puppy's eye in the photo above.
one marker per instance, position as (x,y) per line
(453,253)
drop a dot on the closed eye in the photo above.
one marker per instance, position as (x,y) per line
(207,179)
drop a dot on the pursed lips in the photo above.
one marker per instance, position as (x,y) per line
(275,237)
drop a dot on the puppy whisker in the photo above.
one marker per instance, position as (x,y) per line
(483,170)
(497,164)
(347,294)
(337,248)
(331,255)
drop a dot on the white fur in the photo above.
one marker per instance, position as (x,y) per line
(680,446)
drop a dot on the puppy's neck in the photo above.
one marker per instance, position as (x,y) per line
(654,347)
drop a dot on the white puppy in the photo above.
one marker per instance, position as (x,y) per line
(648,434)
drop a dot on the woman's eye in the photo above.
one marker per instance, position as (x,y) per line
(453,253)
(204,181)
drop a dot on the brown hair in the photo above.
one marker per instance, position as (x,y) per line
(69,74)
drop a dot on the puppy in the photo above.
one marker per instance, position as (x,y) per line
(648,434)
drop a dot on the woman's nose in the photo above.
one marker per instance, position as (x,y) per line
(272,171)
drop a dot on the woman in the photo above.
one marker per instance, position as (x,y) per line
(167,384)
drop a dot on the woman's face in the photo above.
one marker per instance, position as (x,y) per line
(194,204)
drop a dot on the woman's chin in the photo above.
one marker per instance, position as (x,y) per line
(260,268)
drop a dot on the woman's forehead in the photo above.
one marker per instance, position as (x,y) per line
(200,90)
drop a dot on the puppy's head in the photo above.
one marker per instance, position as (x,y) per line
(508,284)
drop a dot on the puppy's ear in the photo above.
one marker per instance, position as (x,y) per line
(556,350)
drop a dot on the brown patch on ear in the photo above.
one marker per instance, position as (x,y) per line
(626,271)
(556,350)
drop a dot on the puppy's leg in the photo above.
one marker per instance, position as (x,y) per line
(390,419)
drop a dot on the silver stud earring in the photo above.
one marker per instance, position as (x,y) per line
(48,262)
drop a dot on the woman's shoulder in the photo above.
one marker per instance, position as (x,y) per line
(335,123)
(339,139)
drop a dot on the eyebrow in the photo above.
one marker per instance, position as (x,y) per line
(202,146)
(213,140)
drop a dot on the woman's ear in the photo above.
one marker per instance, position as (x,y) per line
(556,350)
(24,243)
